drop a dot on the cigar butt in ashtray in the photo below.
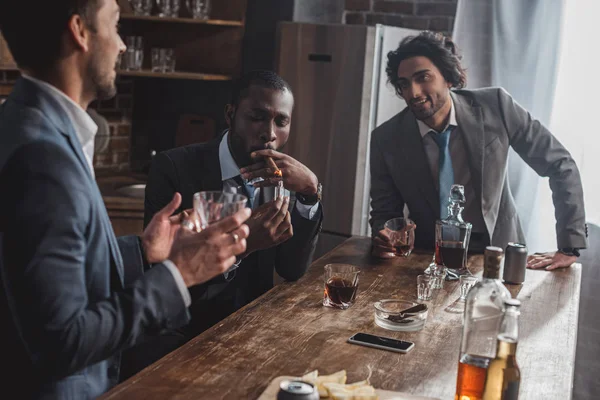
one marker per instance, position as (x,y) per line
(271,164)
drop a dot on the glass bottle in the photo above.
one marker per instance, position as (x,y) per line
(452,235)
(503,375)
(484,310)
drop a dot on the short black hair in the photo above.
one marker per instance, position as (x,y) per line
(261,78)
(440,49)
(19,19)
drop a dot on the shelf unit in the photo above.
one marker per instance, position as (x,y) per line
(181,20)
(175,75)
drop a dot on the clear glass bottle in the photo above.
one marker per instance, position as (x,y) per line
(484,310)
(503,375)
(452,235)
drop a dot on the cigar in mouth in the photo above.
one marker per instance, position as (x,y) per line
(271,164)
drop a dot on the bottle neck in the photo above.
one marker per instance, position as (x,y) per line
(506,349)
(491,272)
(455,211)
(508,336)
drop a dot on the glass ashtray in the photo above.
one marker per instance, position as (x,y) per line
(389,315)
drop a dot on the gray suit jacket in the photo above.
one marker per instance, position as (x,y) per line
(490,122)
(65,311)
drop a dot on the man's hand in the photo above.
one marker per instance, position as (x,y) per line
(382,245)
(296,176)
(550,261)
(158,236)
(270,225)
(202,256)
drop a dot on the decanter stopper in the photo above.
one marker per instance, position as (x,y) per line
(457,194)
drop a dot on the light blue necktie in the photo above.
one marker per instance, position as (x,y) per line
(446,172)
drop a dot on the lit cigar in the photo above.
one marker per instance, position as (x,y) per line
(271,164)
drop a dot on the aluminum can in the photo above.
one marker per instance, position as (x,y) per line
(297,390)
(515,263)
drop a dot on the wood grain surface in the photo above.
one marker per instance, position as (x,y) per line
(287,332)
(270,392)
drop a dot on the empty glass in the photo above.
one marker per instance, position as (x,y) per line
(466,283)
(168,8)
(438,276)
(200,9)
(141,7)
(424,287)
(211,206)
(401,232)
(162,60)
(341,285)
(169,60)
(134,55)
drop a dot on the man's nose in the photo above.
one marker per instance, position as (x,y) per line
(414,91)
(268,133)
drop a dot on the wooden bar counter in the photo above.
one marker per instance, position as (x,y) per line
(287,331)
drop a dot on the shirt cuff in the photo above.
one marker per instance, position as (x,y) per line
(306,210)
(236,264)
(185,293)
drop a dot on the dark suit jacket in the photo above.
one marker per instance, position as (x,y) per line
(64,310)
(490,122)
(195,168)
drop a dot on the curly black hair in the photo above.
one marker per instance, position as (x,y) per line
(261,78)
(440,49)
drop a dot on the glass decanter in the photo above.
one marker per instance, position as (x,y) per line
(452,236)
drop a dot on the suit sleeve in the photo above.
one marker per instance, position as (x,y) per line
(548,158)
(133,261)
(161,186)
(46,271)
(386,200)
(295,255)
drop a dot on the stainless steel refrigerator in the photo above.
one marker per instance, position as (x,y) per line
(337,74)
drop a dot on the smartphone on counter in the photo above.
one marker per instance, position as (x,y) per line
(381,342)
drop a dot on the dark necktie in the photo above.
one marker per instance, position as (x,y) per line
(248,189)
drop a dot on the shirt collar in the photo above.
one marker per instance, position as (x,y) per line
(424,129)
(229,168)
(84,125)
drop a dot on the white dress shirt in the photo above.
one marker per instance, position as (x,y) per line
(84,125)
(85,129)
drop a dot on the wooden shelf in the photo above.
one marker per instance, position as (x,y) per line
(8,68)
(175,75)
(217,22)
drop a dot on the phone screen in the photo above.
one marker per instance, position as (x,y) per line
(382,341)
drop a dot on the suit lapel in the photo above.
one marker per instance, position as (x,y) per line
(470,123)
(32,95)
(415,160)
(210,174)
(112,240)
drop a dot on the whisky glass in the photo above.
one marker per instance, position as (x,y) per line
(401,232)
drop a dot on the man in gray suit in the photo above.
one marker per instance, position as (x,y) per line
(460,136)
(72,295)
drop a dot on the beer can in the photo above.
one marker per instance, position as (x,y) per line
(297,390)
(515,263)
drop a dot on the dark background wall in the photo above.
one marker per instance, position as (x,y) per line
(150,123)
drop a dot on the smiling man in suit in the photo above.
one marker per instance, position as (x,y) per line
(448,135)
(72,295)
(283,232)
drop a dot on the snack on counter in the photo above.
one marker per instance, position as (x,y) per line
(271,164)
(334,387)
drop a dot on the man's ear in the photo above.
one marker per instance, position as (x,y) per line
(79,32)
(229,114)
